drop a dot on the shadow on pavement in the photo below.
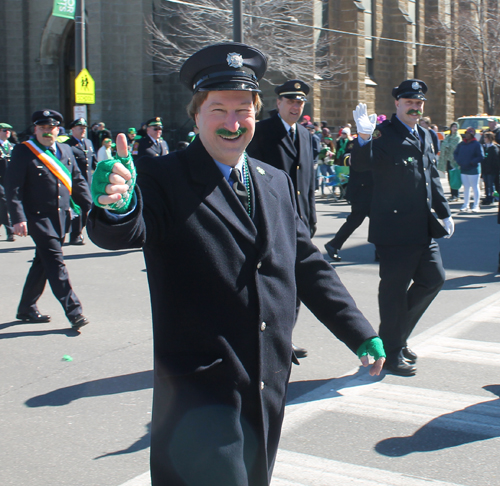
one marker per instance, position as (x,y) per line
(444,431)
(298,390)
(16,249)
(470,281)
(141,380)
(143,443)
(101,254)
(12,335)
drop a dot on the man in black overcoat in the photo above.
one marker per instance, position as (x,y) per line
(44,187)
(407,188)
(285,144)
(226,254)
(151,144)
(86,159)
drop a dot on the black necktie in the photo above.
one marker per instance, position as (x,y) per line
(239,188)
(416,136)
(291,132)
(53,150)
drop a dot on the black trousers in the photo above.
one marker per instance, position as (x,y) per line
(4,215)
(359,211)
(410,277)
(77,225)
(48,264)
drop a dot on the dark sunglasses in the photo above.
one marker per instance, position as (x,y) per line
(157,129)
(5,130)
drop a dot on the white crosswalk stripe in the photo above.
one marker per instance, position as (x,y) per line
(417,406)
(296,469)
(464,351)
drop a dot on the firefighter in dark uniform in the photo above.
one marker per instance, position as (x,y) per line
(406,188)
(226,254)
(44,187)
(151,144)
(5,153)
(285,144)
(85,156)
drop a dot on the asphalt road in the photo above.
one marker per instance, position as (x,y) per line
(86,421)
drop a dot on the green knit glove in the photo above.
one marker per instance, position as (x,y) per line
(374,347)
(100,180)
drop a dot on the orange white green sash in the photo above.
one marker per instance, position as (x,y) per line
(55,166)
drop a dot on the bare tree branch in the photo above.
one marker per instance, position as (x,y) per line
(475,35)
(282,29)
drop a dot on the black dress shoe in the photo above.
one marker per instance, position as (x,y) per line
(11,237)
(332,252)
(299,352)
(77,241)
(410,355)
(400,367)
(32,316)
(78,321)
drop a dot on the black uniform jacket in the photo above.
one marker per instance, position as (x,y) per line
(35,195)
(359,187)
(223,296)
(146,146)
(272,144)
(406,185)
(85,156)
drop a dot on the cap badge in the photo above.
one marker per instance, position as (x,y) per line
(234,60)
(296,85)
(415,85)
(46,113)
(157,118)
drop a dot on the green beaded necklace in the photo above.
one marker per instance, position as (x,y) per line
(246,181)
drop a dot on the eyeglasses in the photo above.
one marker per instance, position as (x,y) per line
(5,130)
(157,129)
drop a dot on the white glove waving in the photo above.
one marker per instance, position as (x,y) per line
(364,123)
(449,226)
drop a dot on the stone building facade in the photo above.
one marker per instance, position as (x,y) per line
(382,44)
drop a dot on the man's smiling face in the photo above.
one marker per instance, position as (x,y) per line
(290,110)
(226,124)
(409,110)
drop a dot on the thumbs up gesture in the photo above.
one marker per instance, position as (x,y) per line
(113,181)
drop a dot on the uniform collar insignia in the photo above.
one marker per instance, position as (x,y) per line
(261,171)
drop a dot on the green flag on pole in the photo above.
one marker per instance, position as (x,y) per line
(64,8)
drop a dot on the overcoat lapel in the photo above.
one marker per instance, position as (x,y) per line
(217,194)
(284,139)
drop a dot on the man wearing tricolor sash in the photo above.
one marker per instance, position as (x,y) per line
(45,188)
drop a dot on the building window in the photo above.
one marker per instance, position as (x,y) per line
(368,18)
(412,12)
